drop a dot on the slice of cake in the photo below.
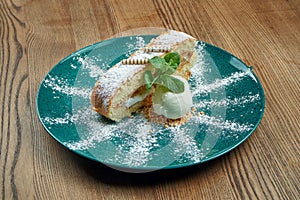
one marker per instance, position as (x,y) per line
(122,89)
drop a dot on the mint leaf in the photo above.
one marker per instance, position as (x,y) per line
(164,68)
(173,64)
(157,62)
(173,59)
(169,71)
(173,84)
(148,77)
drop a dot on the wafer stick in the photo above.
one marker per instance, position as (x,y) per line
(157,49)
(132,61)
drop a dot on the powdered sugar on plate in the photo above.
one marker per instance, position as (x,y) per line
(241,101)
(135,43)
(93,69)
(61,85)
(235,77)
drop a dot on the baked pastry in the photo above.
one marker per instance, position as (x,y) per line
(122,91)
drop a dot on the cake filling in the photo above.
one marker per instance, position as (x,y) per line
(139,95)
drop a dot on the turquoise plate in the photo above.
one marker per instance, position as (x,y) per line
(228,102)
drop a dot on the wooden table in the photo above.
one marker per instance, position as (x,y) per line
(35,35)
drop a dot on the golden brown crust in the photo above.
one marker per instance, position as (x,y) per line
(97,102)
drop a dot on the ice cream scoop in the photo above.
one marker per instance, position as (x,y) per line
(172,105)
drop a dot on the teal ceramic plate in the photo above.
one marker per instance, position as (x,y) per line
(227,96)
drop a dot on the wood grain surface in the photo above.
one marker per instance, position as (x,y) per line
(36,34)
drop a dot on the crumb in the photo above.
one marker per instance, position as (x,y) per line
(194,109)
(160,119)
(200,113)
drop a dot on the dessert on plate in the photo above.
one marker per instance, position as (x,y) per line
(153,79)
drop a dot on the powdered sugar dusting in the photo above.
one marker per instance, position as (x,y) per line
(136,43)
(112,80)
(66,119)
(172,37)
(186,145)
(234,77)
(94,70)
(228,102)
(223,124)
(61,86)
(140,146)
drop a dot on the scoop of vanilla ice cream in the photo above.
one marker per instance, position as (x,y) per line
(173,105)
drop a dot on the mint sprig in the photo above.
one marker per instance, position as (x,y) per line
(164,67)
